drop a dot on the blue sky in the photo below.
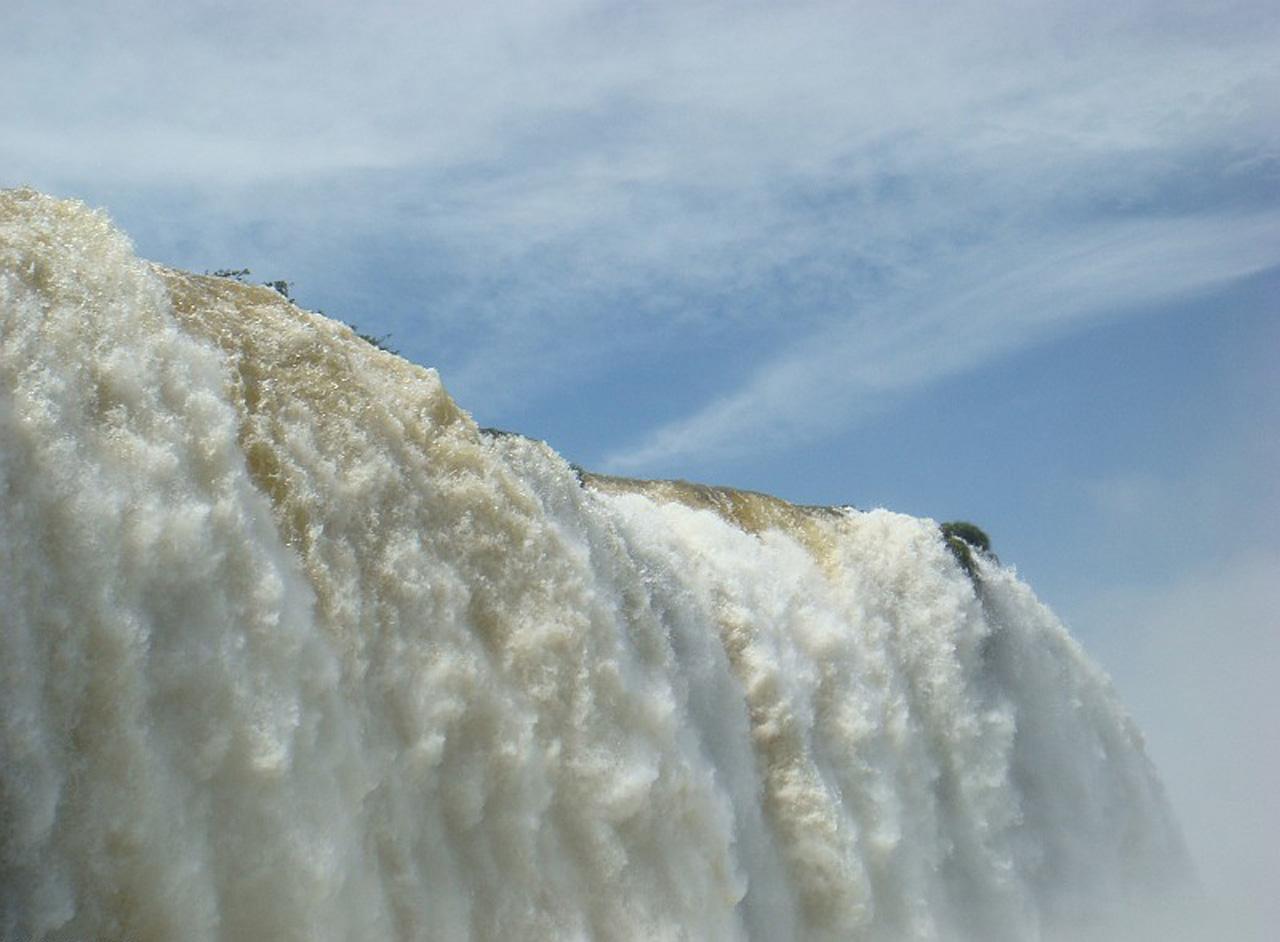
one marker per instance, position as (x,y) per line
(1011,262)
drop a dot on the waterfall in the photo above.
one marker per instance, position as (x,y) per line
(290,649)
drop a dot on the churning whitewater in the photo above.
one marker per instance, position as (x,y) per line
(290,650)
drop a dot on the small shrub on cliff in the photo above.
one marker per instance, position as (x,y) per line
(379,342)
(285,289)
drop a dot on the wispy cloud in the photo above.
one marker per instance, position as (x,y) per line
(999,298)
(572,181)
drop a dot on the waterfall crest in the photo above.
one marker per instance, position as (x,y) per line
(290,649)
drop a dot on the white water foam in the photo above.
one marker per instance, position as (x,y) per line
(289,649)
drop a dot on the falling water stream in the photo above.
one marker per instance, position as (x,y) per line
(291,650)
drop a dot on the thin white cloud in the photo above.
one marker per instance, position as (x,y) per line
(555,160)
(1002,298)
(725,95)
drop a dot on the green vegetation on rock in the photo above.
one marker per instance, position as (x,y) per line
(963,539)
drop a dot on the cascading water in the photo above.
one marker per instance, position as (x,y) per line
(289,649)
